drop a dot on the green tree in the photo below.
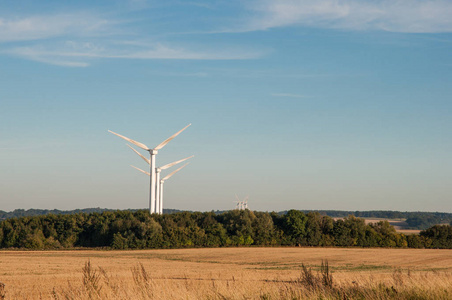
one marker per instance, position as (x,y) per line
(313,230)
(264,231)
(415,241)
(342,234)
(119,242)
(238,224)
(295,226)
(389,236)
(439,235)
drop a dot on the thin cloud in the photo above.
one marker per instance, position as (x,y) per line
(179,74)
(66,40)
(50,26)
(73,54)
(410,16)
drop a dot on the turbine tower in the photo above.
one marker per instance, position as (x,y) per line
(245,203)
(152,152)
(158,203)
(162,181)
(238,205)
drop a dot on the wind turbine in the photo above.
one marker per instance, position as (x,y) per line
(159,187)
(157,172)
(245,203)
(238,204)
(151,161)
(162,181)
(241,205)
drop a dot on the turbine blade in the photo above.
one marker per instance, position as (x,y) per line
(142,146)
(174,163)
(147,173)
(172,173)
(145,159)
(237,197)
(170,138)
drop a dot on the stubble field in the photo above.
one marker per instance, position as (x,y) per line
(227,273)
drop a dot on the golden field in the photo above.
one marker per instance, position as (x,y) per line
(225,273)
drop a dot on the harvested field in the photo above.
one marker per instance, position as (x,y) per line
(233,273)
(399,224)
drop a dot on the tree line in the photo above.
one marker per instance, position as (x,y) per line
(415,220)
(140,230)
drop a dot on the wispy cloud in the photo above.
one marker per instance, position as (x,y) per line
(50,26)
(73,54)
(75,40)
(411,16)
(181,74)
(287,95)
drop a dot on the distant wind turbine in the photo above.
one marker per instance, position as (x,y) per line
(241,205)
(245,203)
(151,161)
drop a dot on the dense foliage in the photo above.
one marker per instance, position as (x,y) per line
(17,213)
(139,229)
(415,220)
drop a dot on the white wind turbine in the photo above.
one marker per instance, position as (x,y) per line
(238,205)
(245,203)
(241,205)
(158,204)
(152,153)
(162,181)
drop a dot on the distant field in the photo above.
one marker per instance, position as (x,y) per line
(220,273)
(399,224)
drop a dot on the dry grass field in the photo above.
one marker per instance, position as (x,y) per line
(226,273)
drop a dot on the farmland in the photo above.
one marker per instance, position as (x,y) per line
(221,273)
(399,225)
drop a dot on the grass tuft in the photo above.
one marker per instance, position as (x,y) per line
(91,280)
(2,291)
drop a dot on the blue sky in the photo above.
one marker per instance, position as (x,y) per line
(297,104)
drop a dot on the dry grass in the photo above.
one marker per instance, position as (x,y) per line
(227,273)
